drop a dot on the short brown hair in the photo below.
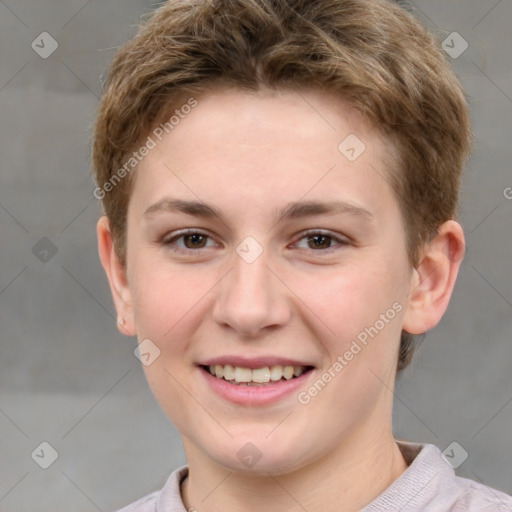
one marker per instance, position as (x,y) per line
(371,53)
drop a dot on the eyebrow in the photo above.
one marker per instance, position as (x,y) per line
(294,210)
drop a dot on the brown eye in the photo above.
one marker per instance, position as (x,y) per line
(189,242)
(195,241)
(319,241)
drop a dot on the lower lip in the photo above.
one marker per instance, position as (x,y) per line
(255,395)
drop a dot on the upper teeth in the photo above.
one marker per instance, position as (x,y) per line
(260,375)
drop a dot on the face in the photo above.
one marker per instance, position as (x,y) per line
(255,240)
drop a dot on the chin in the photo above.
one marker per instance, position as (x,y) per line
(274,467)
(250,458)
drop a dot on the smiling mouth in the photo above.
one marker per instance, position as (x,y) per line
(265,376)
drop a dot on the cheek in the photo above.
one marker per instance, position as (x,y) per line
(170,303)
(168,307)
(357,311)
(363,310)
(348,299)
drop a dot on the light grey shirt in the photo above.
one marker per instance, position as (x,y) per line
(428,485)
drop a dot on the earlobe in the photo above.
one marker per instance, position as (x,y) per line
(434,278)
(117,277)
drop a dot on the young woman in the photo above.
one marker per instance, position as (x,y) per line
(280,182)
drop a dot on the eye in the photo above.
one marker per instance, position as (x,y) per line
(187,241)
(321,241)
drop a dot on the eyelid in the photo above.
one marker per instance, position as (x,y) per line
(176,235)
(182,232)
(342,240)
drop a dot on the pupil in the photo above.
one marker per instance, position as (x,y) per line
(319,241)
(196,239)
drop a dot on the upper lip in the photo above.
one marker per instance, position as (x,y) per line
(253,362)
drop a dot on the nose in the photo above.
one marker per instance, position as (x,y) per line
(251,299)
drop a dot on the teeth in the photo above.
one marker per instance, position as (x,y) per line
(243,374)
(261,375)
(228,372)
(276,372)
(288,372)
(258,375)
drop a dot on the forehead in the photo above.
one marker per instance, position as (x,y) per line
(238,148)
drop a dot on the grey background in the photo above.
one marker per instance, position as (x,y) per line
(69,378)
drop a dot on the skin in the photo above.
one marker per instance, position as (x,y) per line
(250,155)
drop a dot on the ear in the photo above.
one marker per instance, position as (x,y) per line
(116,273)
(433,279)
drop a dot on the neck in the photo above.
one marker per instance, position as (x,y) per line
(354,473)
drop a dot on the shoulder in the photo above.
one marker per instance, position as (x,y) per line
(430,484)
(474,496)
(168,498)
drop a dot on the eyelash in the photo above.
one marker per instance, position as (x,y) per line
(169,242)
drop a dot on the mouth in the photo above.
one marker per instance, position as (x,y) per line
(255,377)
